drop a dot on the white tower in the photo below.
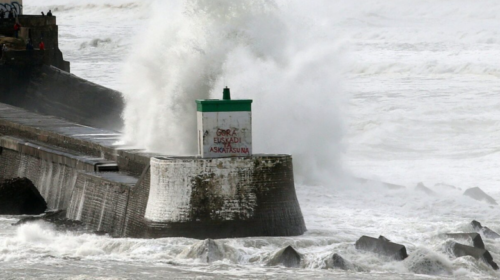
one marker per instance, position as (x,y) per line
(224,127)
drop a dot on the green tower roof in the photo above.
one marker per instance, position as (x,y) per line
(224,105)
(216,105)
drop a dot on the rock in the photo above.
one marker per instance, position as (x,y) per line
(287,257)
(478,194)
(460,250)
(422,188)
(423,261)
(58,218)
(20,197)
(207,251)
(382,247)
(488,233)
(476,239)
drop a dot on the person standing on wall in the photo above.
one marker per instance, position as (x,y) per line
(17,27)
(49,14)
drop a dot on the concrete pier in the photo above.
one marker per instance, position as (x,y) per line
(130,193)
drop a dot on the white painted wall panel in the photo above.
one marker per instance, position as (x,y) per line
(225,134)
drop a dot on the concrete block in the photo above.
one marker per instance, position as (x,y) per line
(287,257)
(382,247)
(488,233)
(478,194)
(460,250)
(476,239)
(336,261)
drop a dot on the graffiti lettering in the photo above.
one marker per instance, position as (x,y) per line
(13,6)
(229,150)
(227,132)
(224,140)
(228,141)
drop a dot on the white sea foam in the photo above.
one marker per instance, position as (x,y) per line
(419,80)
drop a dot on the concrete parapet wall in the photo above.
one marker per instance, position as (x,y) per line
(52,171)
(54,181)
(58,93)
(36,20)
(100,201)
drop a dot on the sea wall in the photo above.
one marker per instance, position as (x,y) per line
(52,170)
(100,201)
(129,193)
(51,91)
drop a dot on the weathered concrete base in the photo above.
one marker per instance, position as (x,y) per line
(382,246)
(248,196)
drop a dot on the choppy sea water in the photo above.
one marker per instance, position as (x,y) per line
(419,83)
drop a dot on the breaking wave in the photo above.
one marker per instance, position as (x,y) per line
(264,50)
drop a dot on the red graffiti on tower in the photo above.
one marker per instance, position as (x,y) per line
(228,141)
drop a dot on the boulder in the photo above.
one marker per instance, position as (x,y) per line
(287,257)
(476,239)
(488,233)
(460,250)
(422,188)
(478,194)
(382,246)
(20,197)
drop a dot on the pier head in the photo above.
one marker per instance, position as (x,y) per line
(225,191)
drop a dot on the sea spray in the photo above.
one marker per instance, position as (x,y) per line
(264,50)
